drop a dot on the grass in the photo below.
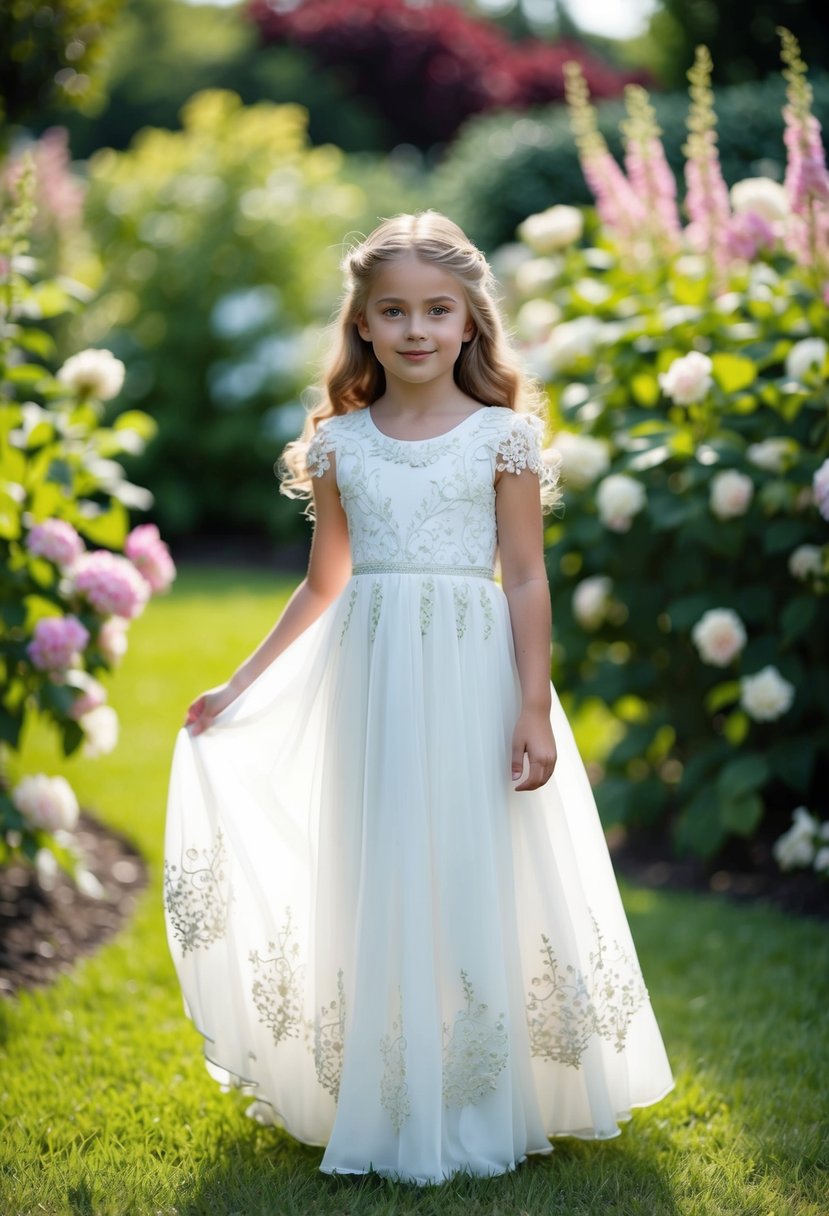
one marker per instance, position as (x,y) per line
(106,1108)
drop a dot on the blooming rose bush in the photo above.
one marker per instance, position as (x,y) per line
(688,389)
(72,575)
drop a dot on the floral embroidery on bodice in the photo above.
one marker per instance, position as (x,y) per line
(427,502)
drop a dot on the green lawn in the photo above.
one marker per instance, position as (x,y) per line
(107,1108)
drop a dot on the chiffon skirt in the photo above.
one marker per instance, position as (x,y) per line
(401,957)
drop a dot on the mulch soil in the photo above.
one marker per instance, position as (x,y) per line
(43,932)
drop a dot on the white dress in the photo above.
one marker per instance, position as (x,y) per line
(399,955)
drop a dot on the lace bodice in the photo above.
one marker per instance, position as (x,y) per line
(428,502)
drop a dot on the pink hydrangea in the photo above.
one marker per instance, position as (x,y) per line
(145,548)
(56,540)
(112,639)
(111,584)
(56,643)
(91,694)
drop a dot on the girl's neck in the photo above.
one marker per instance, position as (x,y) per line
(436,400)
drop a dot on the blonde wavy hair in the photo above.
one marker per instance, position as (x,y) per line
(487,368)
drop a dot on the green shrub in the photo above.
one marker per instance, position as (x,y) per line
(505,167)
(221,245)
(64,609)
(690,570)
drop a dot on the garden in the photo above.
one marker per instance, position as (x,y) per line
(658,221)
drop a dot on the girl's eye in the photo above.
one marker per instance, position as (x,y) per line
(440,310)
(387,312)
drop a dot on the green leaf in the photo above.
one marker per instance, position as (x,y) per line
(742,815)
(685,612)
(783,535)
(793,761)
(742,777)
(798,617)
(721,695)
(645,389)
(72,736)
(700,829)
(136,420)
(736,727)
(733,372)
(109,528)
(11,725)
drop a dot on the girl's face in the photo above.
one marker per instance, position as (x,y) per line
(416,319)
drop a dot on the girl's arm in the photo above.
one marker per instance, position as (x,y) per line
(329,568)
(524,580)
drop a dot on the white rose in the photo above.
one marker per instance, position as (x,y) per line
(731,494)
(771,455)
(822,860)
(537,275)
(583,459)
(619,498)
(45,802)
(552,229)
(591,598)
(572,340)
(687,379)
(719,636)
(100,726)
(796,847)
(95,373)
(805,355)
(806,562)
(766,696)
(764,197)
(536,318)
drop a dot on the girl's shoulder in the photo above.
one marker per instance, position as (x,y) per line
(324,440)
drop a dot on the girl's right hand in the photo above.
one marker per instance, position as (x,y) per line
(204,709)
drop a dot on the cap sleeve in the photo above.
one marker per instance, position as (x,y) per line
(520,447)
(321,444)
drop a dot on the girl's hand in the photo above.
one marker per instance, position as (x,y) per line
(204,709)
(533,734)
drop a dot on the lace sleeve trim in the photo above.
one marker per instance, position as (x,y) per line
(316,455)
(520,448)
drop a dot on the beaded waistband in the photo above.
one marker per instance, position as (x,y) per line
(412,568)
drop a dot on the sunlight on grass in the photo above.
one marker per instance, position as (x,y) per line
(108,1110)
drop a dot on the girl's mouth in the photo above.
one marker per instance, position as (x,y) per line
(415,356)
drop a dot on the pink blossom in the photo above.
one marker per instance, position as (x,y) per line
(145,548)
(56,540)
(653,181)
(47,803)
(91,694)
(112,639)
(111,584)
(747,234)
(618,206)
(56,643)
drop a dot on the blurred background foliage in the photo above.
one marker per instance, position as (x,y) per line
(215,157)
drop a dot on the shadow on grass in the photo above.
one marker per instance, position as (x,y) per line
(268,1172)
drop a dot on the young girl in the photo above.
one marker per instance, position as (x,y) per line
(388,895)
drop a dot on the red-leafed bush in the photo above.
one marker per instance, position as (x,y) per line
(428,68)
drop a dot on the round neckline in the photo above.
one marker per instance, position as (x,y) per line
(430,438)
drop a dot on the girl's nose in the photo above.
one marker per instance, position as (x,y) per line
(416,327)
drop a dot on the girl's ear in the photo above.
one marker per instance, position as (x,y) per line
(469,331)
(362,328)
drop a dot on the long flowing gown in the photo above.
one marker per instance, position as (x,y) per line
(402,957)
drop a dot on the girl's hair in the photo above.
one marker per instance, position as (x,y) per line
(487,369)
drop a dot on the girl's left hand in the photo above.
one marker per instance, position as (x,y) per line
(533,734)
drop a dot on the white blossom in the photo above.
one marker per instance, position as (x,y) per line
(688,379)
(45,802)
(536,319)
(583,458)
(762,196)
(591,599)
(766,696)
(796,847)
(94,373)
(820,489)
(770,455)
(100,726)
(719,636)
(571,341)
(619,498)
(537,275)
(731,494)
(806,562)
(553,229)
(808,354)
